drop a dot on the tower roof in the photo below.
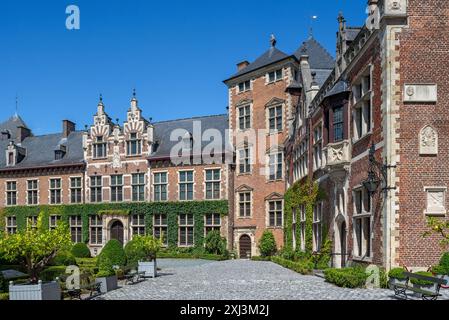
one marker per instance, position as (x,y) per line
(319,58)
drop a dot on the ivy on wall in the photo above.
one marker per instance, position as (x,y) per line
(148,209)
(306,194)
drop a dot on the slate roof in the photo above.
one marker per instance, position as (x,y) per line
(319,58)
(351,33)
(11,125)
(162,131)
(40,149)
(321,75)
(272,55)
(339,87)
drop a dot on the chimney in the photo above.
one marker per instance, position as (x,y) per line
(67,128)
(242,65)
(22,133)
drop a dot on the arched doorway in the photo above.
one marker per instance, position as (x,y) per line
(343,243)
(245,247)
(117,231)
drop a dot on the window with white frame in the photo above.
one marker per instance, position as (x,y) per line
(244,160)
(275,118)
(99,148)
(134,145)
(362,105)
(186,224)
(362,223)
(338,123)
(116,188)
(302,225)
(303,158)
(245,204)
(76,228)
(138,186)
(138,224)
(11,193)
(244,86)
(160,186)
(317,226)
(11,224)
(96,229)
(55,191)
(160,227)
(32,222)
(32,192)
(274,75)
(185,185)
(294,212)
(275,162)
(213,180)
(317,147)
(53,221)
(96,189)
(76,195)
(244,117)
(275,213)
(212,222)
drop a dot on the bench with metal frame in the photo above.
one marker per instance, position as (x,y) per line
(400,289)
(134,277)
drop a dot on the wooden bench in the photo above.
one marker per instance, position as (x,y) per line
(134,277)
(401,289)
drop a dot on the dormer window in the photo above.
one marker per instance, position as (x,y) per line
(99,148)
(274,76)
(59,154)
(134,145)
(10,159)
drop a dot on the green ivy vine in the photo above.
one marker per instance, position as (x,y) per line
(148,209)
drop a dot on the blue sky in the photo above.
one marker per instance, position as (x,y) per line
(175,53)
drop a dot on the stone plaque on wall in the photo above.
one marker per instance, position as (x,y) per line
(420,93)
(436,200)
(428,141)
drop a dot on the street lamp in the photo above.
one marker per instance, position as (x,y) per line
(374,179)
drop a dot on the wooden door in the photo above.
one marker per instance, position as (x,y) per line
(117,231)
(245,247)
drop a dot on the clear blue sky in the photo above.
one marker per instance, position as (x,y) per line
(175,53)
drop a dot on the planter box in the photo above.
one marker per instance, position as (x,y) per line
(150,268)
(107,283)
(394,281)
(429,288)
(40,291)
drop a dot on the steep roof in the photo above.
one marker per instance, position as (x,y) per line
(163,130)
(319,58)
(12,123)
(272,55)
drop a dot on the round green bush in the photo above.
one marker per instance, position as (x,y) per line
(215,243)
(134,253)
(267,244)
(63,258)
(113,251)
(397,273)
(105,267)
(81,250)
(444,263)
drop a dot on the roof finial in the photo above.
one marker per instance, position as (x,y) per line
(312,18)
(17,106)
(134,92)
(273,40)
(341,20)
(101,97)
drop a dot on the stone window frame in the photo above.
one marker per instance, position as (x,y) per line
(317,147)
(116,188)
(360,101)
(435,213)
(294,226)
(95,229)
(275,152)
(247,107)
(11,193)
(303,161)
(213,181)
(362,251)
(208,227)
(274,200)
(11,224)
(317,226)
(276,75)
(103,144)
(248,158)
(138,185)
(159,225)
(187,226)
(53,221)
(32,221)
(34,190)
(247,204)
(97,187)
(246,89)
(55,190)
(138,228)
(76,228)
(74,190)
(187,183)
(133,138)
(166,184)
(302,226)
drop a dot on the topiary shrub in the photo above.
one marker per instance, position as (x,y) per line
(346,277)
(397,273)
(267,244)
(134,253)
(215,243)
(81,250)
(64,258)
(303,267)
(105,267)
(113,251)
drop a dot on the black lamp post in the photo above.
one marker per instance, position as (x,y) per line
(374,180)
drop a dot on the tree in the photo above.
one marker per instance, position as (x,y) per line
(440,227)
(267,244)
(142,248)
(36,246)
(215,243)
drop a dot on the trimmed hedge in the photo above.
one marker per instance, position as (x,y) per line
(81,250)
(185,255)
(397,273)
(346,277)
(259,258)
(63,259)
(303,267)
(113,251)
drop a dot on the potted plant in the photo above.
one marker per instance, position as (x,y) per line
(396,275)
(142,250)
(423,284)
(106,275)
(37,247)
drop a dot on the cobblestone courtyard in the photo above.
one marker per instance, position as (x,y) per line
(235,280)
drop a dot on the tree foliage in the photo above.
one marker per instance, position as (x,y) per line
(267,244)
(142,248)
(215,243)
(36,246)
(439,227)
